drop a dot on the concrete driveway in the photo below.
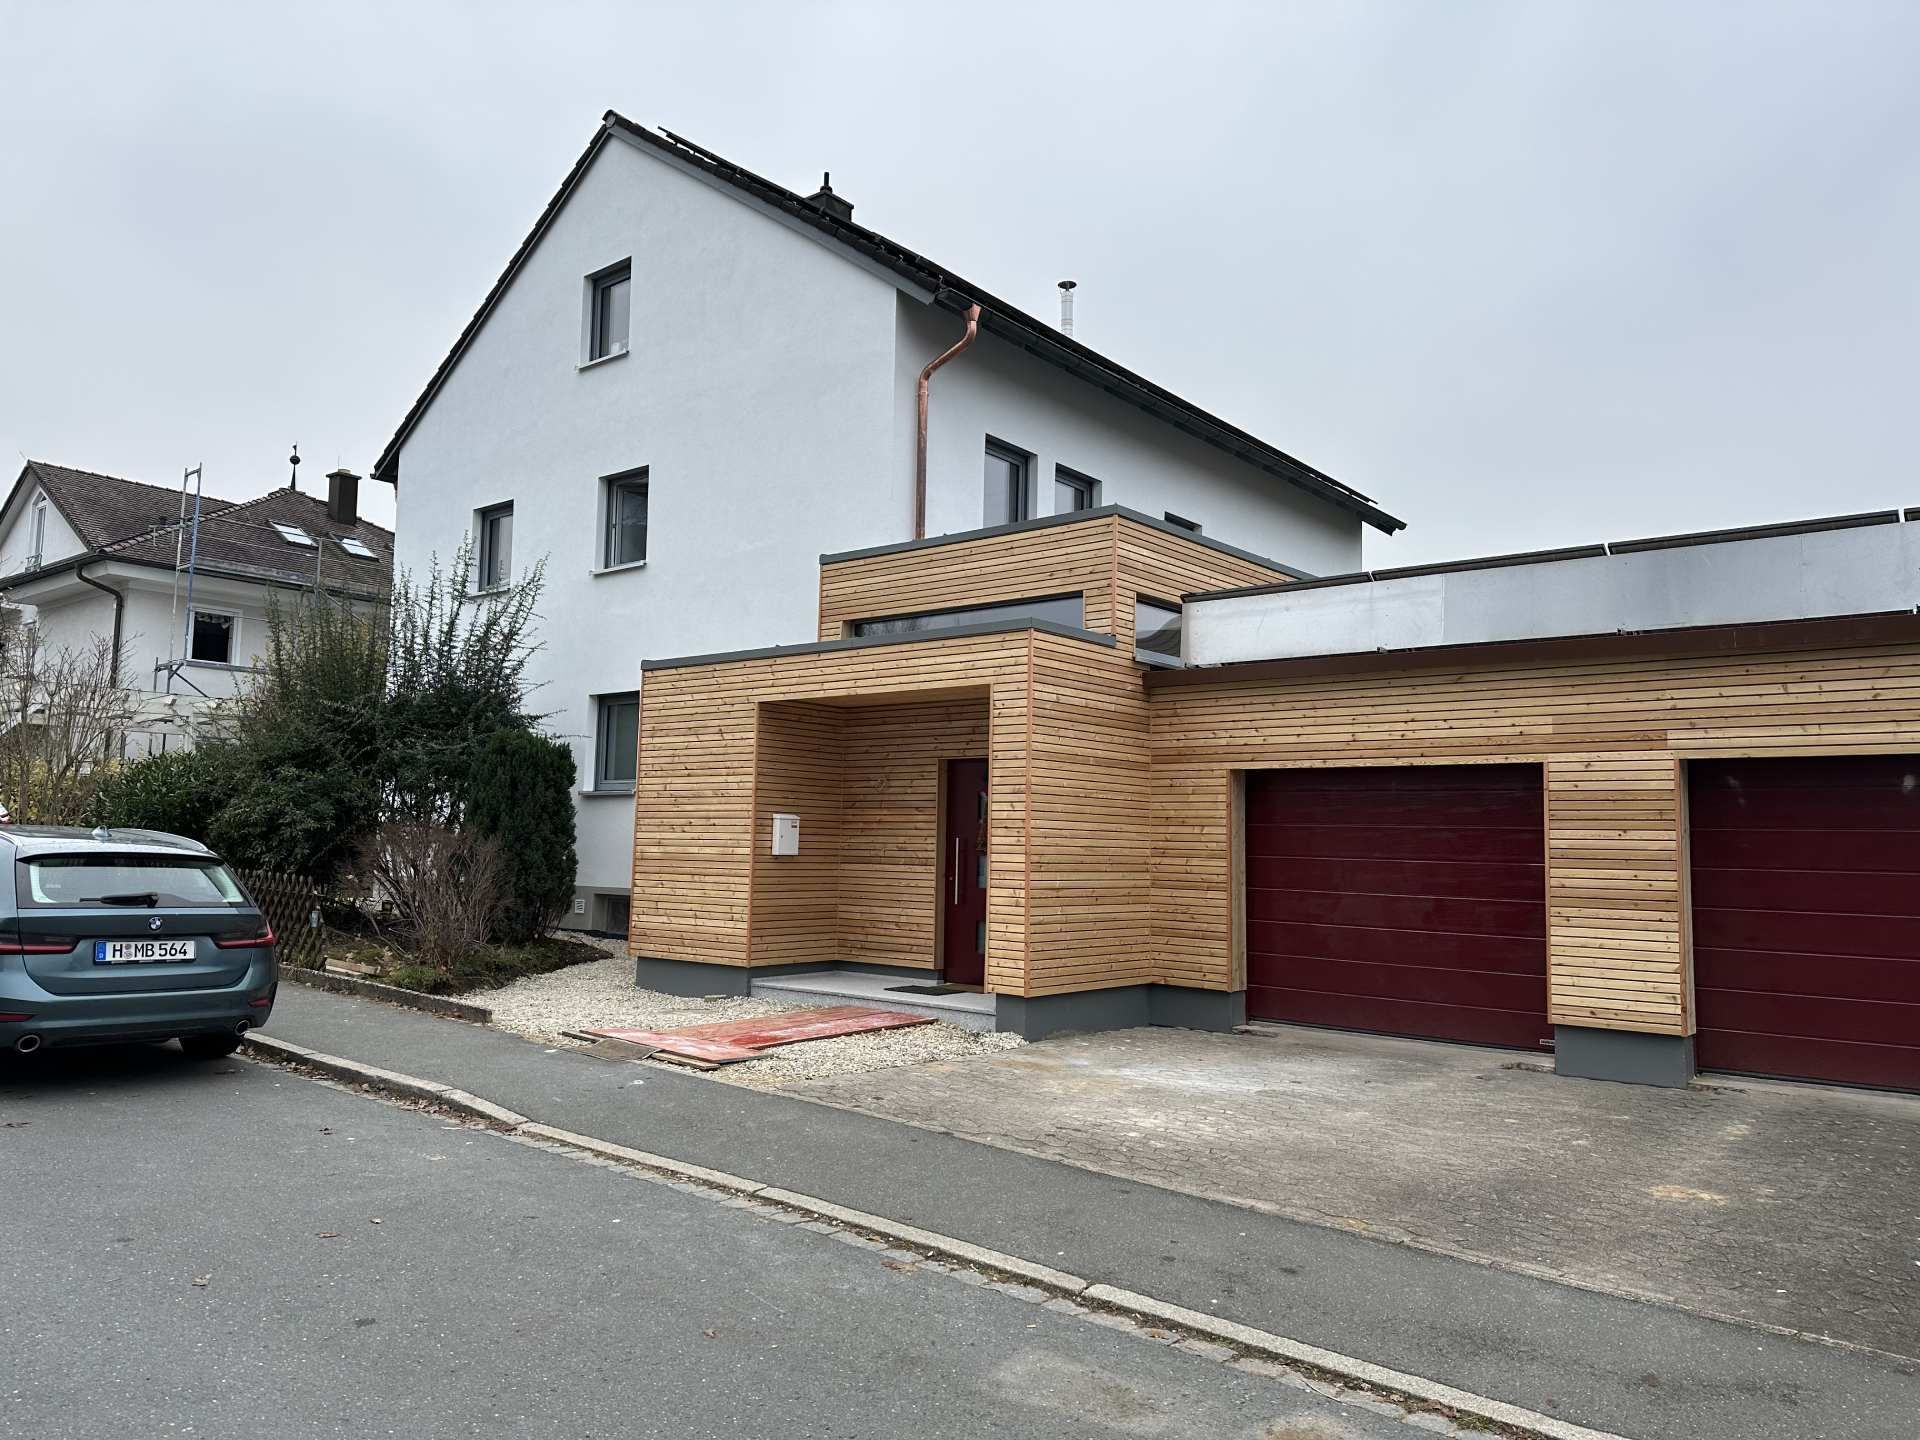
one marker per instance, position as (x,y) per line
(1786,1205)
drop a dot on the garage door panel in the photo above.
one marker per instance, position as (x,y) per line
(1410,900)
(1399,912)
(1894,1067)
(1865,977)
(1806,919)
(1819,1017)
(1474,1026)
(1402,842)
(1513,955)
(1818,850)
(1450,879)
(1424,984)
(1798,933)
(1814,892)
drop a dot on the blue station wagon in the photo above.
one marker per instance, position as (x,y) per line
(127,935)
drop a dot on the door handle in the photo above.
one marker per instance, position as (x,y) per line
(956,869)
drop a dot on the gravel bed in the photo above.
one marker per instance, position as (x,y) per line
(602,993)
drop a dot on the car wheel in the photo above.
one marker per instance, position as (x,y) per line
(209,1047)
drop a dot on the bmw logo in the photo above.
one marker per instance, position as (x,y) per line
(153,922)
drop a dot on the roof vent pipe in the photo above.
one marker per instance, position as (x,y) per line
(1066,305)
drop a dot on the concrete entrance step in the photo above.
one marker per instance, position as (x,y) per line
(859,987)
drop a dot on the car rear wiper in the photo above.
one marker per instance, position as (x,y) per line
(145,898)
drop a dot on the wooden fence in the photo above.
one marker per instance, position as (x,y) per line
(292,903)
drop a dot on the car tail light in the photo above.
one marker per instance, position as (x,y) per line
(36,944)
(8,1017)
(264,936)
(261,1003)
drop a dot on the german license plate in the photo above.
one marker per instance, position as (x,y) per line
(141,952)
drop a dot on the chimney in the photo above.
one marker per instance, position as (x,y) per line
(343,496)
(828,203)
(1066,306)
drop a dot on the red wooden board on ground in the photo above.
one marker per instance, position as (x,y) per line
(724,1042)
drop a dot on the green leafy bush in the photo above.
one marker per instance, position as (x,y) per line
(179,791)
(521,793)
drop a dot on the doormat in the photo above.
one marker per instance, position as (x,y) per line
(931,990)
(726,1042)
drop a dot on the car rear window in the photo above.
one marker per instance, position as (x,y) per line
(147,881)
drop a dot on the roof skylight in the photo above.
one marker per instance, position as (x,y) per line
(293,534)
(355,547)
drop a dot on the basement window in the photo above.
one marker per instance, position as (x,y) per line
(1057,609)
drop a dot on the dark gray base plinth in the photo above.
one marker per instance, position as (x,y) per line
(1628,1056)
(688,977)
(1120,1009)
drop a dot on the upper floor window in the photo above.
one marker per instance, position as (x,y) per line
(212,637)
(1181,522)
(625,542)
(39,532)
(1009,484)
(1073,491)
(1156,631)
(608,297)
(1060,609)
(494,531)
(617,746)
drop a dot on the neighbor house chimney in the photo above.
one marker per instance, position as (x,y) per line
(343,496)
(1066,306)
(828,203)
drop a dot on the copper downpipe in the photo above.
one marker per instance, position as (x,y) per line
(920,450)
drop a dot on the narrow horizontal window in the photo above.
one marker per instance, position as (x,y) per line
(1180,522)
(1057,609)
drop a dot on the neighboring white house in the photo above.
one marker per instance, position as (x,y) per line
(690,382)
(87,557)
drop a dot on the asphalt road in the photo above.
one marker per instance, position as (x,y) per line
(192,1249)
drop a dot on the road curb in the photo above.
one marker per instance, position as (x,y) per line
(1414,1390)
(392,994)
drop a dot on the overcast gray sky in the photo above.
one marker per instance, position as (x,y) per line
(1529,273)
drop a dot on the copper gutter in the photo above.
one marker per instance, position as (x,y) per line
(920,449)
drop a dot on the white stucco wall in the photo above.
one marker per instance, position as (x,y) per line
(757,391)
(993,388)
(16,536)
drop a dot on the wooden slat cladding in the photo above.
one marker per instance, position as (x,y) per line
(721,743)
(888,878)
(1109,559)
(1611,736)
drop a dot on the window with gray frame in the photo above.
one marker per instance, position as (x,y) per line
(493,529)
(1060,609)
(626,508)
(1009,484)
(1073,491)
(617,747)
(1156,631)
(608,306)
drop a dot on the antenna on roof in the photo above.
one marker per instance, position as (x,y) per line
(293,475)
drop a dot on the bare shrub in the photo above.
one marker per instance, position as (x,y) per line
(62,715)
(445,886)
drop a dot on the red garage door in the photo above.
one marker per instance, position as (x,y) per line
(1806,917)
(1408,899)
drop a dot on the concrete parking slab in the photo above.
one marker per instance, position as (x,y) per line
(1787,1205)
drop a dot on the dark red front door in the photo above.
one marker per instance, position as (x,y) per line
(1806,917)
(963,874)
(1407,899)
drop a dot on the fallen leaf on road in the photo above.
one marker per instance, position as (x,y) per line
(711,1334)
(326,1129)
(897,1264)
(201,1280)
(329,1235)
(374,1220)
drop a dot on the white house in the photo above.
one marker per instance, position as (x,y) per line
(689,382)
(86,557)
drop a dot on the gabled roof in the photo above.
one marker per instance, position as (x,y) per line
(241,541)
(130,521)
(105,508)
(949,290)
